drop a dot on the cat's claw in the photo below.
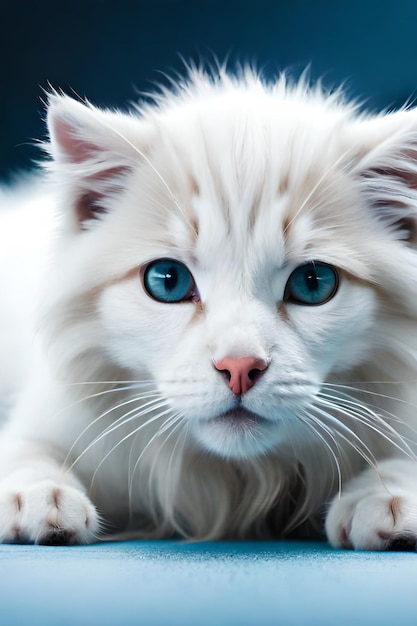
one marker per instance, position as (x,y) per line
(47,513)
(373,522)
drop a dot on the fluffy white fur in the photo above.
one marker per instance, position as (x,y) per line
(118,420)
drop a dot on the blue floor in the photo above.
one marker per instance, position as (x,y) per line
(170,583)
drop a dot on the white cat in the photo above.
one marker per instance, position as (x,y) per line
(209,321)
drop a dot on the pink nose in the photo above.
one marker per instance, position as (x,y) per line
(241,373)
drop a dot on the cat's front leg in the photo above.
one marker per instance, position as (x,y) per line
(377,510)
(39,502)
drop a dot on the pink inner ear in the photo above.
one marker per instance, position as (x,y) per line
(89,205)
(74,148)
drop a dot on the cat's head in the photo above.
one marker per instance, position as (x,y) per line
(237,245)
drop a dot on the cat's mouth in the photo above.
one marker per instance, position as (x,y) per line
(239,418)
(237,433)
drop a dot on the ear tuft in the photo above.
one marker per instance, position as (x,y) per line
(71,146)
(69,124)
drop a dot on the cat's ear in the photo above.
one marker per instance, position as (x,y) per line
(386,168)
(93,152)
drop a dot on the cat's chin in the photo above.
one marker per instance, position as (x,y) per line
(237,434)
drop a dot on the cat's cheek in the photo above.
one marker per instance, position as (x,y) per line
(141,334)
(339,334)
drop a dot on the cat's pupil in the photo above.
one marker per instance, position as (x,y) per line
(312,281)
(171,279)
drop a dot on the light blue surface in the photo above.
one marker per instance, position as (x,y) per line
(168,582)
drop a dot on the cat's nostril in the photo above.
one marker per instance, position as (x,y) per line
(226,374)
(241,373)
(255,374)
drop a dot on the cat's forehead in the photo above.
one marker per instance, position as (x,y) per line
(252,177)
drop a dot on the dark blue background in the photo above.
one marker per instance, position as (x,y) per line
(107,51)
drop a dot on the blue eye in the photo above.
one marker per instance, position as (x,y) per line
(167,280)
(312,283)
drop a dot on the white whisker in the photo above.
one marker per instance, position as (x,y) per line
(347,435)
(369,418)
(173,422)
(155,398)
(313,423)
(363,390)
(134,414)
(121,441)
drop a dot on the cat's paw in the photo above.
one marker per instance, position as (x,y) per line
(373,522)
(47,513)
